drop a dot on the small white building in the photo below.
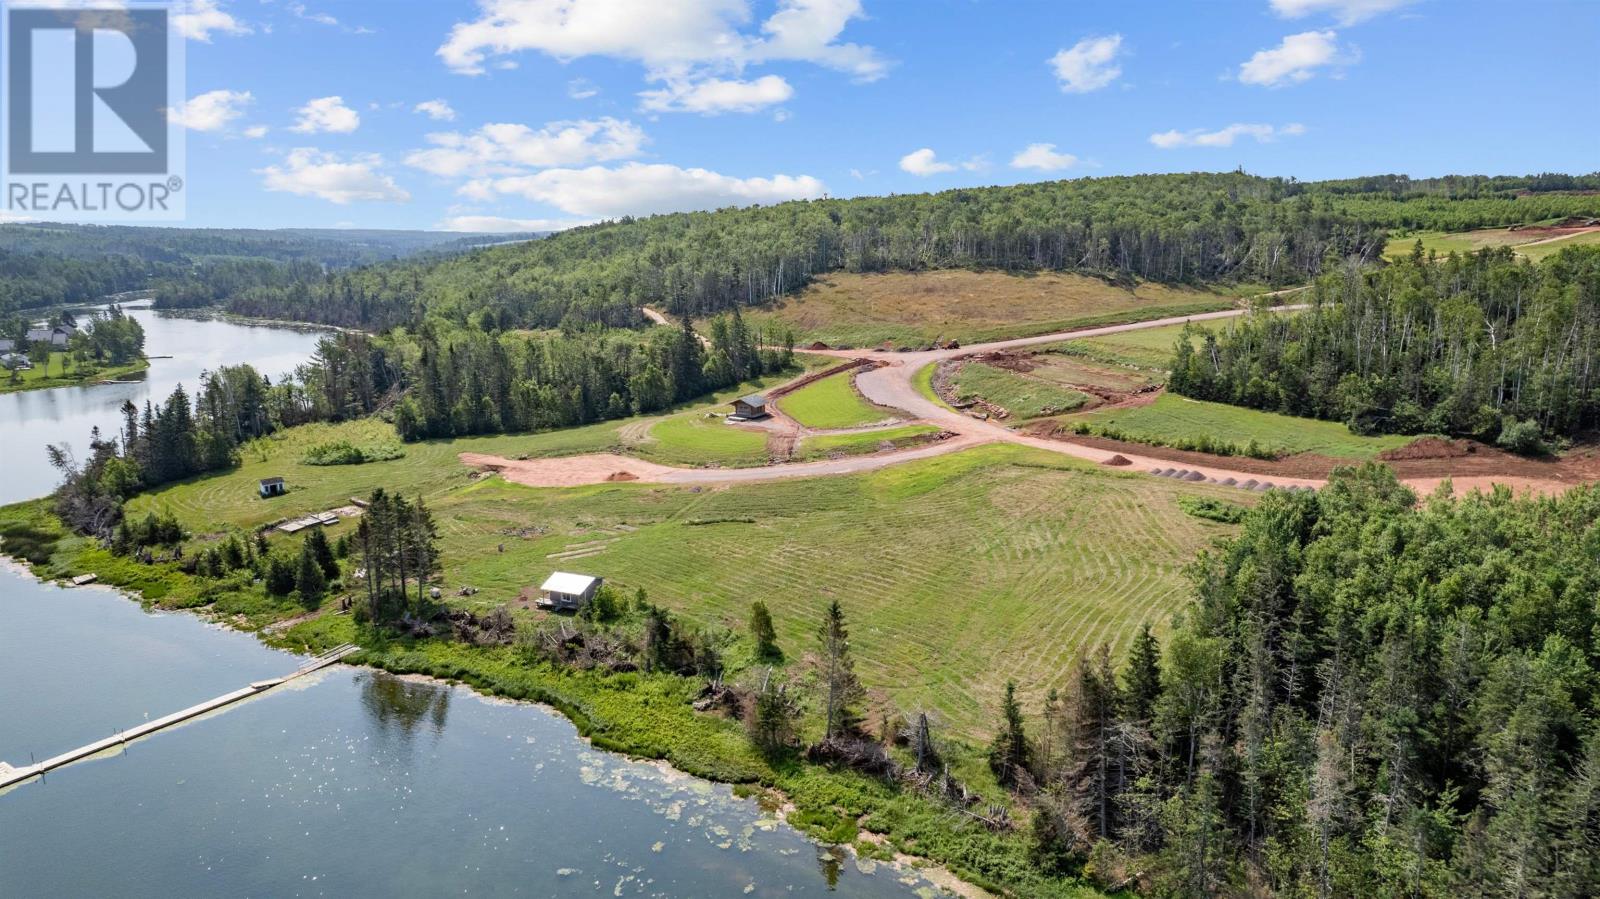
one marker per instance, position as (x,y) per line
(564,591)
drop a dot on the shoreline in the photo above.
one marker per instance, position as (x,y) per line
(99,376)
(930,870)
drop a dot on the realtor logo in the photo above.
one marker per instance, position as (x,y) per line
(87,131)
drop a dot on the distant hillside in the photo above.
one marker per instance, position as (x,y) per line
(1195,229)
(45,264)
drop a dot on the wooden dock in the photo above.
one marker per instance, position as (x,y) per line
(10,774)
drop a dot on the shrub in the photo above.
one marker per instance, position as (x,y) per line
(343,452)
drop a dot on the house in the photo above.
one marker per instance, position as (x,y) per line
(563,591)
(14,361)
(273,487)
(57,336)
(747,407)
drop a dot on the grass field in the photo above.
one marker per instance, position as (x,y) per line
(1021,395)
(853,310)
(831,402)
(993,563)
(55,373)
(1472,241)
(1147,348)
(702,438)
(1173,417)
(826,445)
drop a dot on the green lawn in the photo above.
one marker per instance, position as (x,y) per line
(831,403)
(826,445)
(1471,241)
(702,438)
(55,373)
(1023,396)
(1537,252)
(1175,418)
(1143,348)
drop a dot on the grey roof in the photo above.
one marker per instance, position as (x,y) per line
(7,344)
(266,481)
(754,399)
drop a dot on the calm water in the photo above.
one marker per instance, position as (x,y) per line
(32,419)
(351,782)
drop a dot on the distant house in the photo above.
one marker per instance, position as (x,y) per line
(563,591)
(273,487)
(12,361)
(752,406)
(57,337)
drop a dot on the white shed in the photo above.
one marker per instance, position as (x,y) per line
(566,591)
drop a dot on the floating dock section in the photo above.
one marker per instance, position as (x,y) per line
(13,775)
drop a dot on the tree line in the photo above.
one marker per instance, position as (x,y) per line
(1481,345)
(1188,228)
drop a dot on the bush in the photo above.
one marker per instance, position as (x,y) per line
(343,452)
(1522,437)
(1212,509)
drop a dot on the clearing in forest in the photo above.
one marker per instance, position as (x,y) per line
(1184,423)
(916,309)
(1533,241)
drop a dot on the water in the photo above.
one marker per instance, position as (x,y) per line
(30,420)
(351,782)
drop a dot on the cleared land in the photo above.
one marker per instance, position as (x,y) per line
(969,569)
(1021,395)
(55,373)
(1173,418)
(1150,348)
(903,309)
(1534,241)
(824,446)
(702,438)
(831,403)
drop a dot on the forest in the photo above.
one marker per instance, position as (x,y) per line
(1482,345)
(1188,228)
(43,264)
(1371,695)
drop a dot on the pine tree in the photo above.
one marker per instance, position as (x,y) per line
(842,690)
(1010,756)
(309,580)
(765,635)
(317,545)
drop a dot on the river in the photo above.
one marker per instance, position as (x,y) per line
(351,782)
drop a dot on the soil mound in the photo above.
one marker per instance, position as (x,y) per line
(622,476)
(1117,459)
(818,345)
(1429,448)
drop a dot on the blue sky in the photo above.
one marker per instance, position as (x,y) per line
(539,113)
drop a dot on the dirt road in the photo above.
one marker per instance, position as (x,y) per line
(892,385)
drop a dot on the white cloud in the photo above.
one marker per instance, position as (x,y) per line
(581,89)
(640,189)
(1088,65)
(326,114)
(1224,137)
(923,163)
(438,110)
(256,131)
(309,172)
(495,224)
(1347,12)
(321,18)
(667,38)
(505,148)
(201,17)
(1295,60)
(1044,158)
(212,110)
(715,95)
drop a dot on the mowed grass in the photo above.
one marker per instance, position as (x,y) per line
(827,445)
(915,309)
(702,438)
(55,373)
(1021,395)
(1173,417)
(957,573)
(1539,251)
(831,402)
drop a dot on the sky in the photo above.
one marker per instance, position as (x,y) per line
(541,114)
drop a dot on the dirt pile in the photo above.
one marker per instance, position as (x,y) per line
(1117,459)
(622,476)
(1430,448)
